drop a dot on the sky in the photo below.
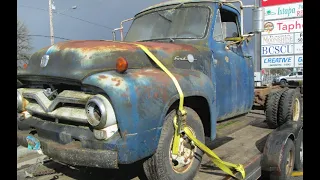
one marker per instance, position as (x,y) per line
(92,19)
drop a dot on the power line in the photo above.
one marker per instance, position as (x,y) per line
(85,21)
(70,17)
(44,36)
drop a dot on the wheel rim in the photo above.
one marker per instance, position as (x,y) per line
(301,152)
(182,162)
(296,110)
(289,163)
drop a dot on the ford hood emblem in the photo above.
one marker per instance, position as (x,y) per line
(44,61)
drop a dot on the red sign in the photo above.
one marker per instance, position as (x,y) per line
(277,2)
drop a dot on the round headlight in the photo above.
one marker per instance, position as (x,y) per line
(19,102)
(100,112)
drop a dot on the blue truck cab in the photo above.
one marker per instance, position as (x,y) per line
(101,103)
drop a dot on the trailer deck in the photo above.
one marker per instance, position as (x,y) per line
(244,146)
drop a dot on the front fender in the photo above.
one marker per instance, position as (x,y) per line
(141,99)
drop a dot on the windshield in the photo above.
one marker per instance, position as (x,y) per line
(184,22)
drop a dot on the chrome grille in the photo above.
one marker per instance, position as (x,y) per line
(68,105)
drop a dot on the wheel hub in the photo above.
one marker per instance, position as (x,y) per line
(181,162)
(296,110)
(289,163)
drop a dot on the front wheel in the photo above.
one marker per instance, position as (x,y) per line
(283,82)
(163,165)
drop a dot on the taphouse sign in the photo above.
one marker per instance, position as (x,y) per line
(283,26)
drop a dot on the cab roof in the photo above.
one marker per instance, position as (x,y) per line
(173,2)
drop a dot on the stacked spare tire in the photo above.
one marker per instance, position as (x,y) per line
(283,105)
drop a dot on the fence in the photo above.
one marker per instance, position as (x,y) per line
(267,79)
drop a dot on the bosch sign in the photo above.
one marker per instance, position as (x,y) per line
(277,49)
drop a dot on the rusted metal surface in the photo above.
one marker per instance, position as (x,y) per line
(261,93)
(74,154)
(78,59)
(145,102)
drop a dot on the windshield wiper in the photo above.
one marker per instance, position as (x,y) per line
(168,38)
(179,5)
(174,8)
(164,17)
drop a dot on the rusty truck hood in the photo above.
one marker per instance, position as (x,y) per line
(78,59)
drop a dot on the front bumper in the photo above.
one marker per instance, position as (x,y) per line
(58,142)
(275,81)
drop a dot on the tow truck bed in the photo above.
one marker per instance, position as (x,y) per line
(243,146)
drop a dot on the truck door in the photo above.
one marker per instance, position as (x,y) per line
(300,76)
(231,69)
(292,76)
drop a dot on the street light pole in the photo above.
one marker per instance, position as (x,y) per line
(51,23)
(257,45)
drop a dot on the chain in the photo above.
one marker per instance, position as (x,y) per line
(33,170)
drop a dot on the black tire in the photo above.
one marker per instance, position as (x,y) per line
(290,99)
(272,109)
(158,166)
(286,162)
(298,162)
(283,82)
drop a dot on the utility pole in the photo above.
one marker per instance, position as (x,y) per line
(51,23)
(257,46)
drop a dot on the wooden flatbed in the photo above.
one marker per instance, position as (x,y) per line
(243,146)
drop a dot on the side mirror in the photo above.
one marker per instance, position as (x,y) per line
(258,19)
(248,37)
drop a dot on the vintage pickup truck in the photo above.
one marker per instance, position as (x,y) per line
(101,103)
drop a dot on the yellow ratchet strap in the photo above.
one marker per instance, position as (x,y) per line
(297,173)
(156,60)
(224,166)
(175,149)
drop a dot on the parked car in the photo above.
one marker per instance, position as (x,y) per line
(292,77)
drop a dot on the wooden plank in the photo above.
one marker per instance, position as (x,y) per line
(244,147)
